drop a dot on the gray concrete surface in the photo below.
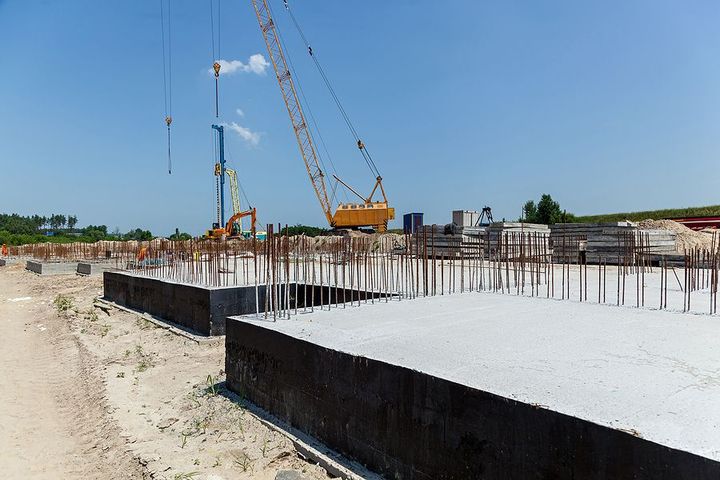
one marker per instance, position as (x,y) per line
(88,268)
(655,375)
(51,268)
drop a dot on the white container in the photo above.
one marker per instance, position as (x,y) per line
(465,218)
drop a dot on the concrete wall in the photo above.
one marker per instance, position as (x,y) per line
(2,262)
(185,305)
(407,424)
(202,309)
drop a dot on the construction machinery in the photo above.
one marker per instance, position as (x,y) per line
(233,228)
(368,213)
(486,217)
(220,176)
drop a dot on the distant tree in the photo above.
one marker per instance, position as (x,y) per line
(138,234)
(547,211)
(71,221)
(54,221)
(37,222)
(304,230)
(530,212)
(62,219)
(180,236)
(95,232)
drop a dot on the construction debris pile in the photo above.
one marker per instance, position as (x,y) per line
(686,239)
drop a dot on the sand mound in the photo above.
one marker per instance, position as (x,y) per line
(686,238)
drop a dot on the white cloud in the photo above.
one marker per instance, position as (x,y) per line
(239,112)
(253,138)
(256,64)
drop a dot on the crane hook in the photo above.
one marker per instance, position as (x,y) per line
(168,121)
(216,67)
(360,144)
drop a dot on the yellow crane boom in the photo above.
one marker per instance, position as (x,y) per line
(349,215)
(300,126)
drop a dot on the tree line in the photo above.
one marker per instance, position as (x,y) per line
(58,228)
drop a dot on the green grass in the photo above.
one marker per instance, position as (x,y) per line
(63,303)
(711,211)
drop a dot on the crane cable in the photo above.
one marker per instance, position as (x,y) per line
(167,76)
(306,106)
(216,64)
(360,144)
(242,189)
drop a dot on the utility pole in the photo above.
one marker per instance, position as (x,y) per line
(221,140)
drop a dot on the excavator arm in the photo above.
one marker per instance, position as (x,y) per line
(253,220)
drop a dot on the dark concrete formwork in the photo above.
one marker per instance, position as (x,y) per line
(203,310)
(406,424)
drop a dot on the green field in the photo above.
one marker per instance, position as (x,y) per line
(710,211)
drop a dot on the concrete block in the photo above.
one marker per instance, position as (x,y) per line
(3,262)
(51,268)
(93,268)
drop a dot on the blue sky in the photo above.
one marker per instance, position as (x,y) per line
(608,106)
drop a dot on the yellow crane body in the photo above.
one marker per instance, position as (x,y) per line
(356,215)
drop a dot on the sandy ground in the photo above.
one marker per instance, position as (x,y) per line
(89,394)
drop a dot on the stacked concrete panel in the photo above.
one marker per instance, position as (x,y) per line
(448,241)
(607,242)
(621,244)
(657,241)
(569,240)
(517,239)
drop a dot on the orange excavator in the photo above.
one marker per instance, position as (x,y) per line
(232,228)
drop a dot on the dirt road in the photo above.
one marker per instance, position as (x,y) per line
(89,394)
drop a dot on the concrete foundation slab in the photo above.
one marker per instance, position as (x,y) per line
(51,268)
(490,386)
